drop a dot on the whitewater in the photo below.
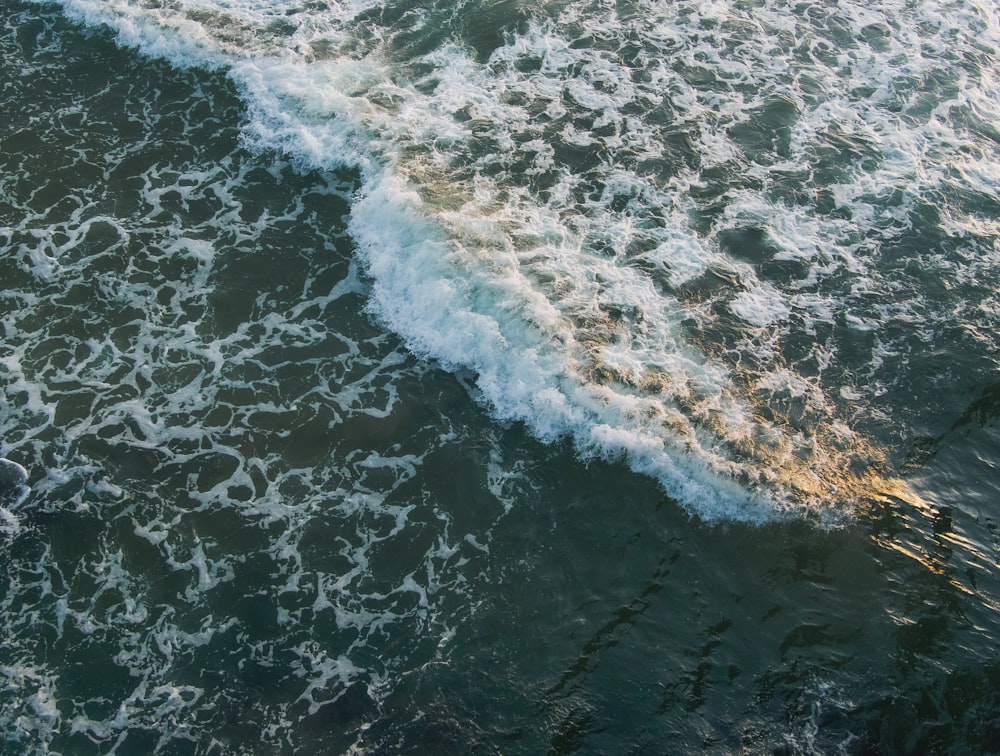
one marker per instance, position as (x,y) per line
(660,230)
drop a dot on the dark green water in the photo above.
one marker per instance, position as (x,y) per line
(258,524)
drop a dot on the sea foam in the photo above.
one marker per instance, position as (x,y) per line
(540,213)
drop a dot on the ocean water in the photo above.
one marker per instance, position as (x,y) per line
(499,377)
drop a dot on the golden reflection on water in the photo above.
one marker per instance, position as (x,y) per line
(908,524)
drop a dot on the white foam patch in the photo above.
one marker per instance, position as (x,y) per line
(761,307)
(520,380)
(30,703)
(14,490)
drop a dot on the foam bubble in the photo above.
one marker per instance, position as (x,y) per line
(14,490)
(13,484)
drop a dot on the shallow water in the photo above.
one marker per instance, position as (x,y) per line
(321,439)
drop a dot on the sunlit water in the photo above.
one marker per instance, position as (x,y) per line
(582,377)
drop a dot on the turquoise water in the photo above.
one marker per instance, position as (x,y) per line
(499,379)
